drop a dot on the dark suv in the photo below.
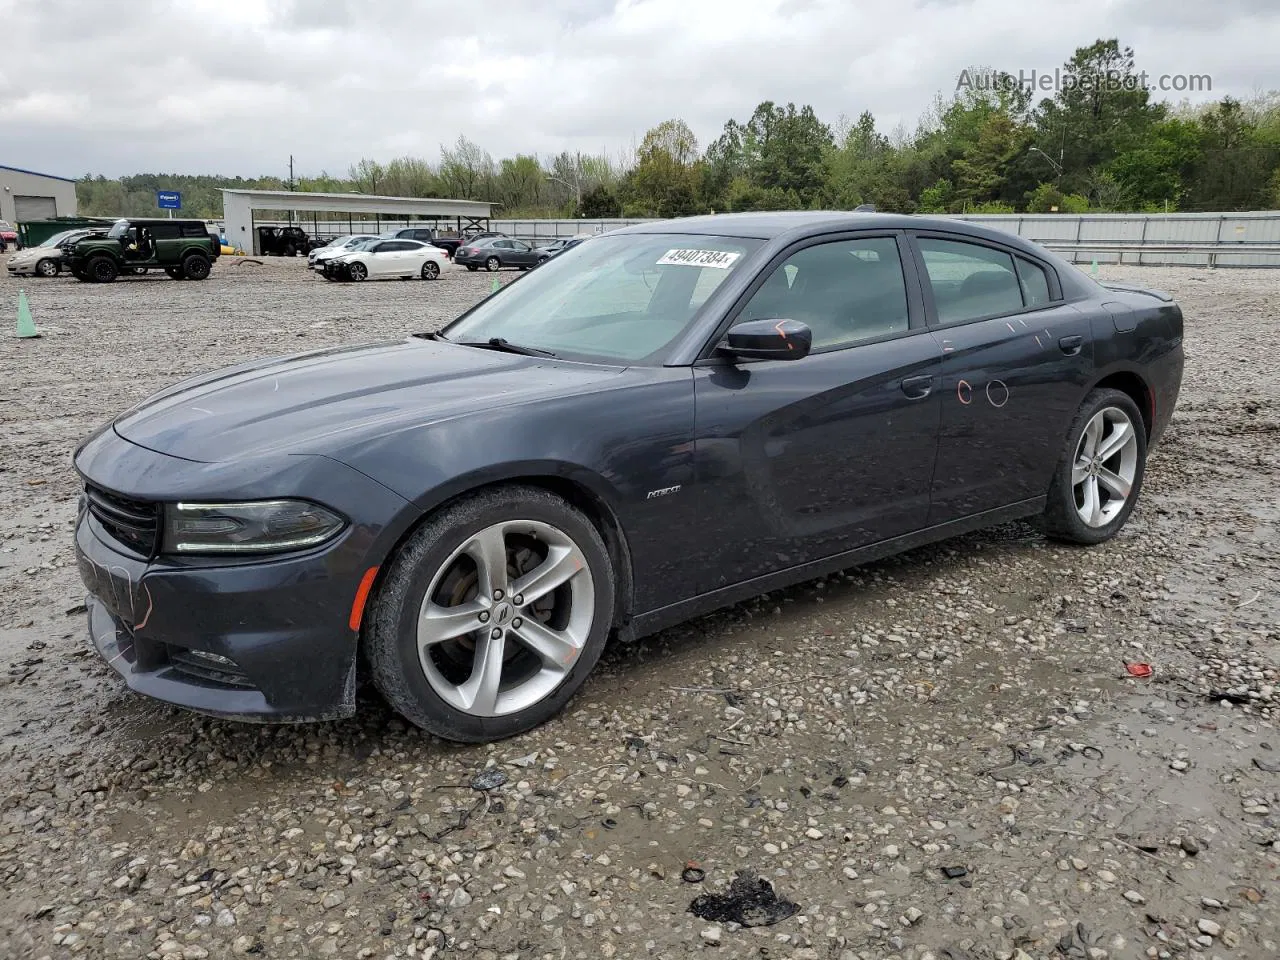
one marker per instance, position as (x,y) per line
(283,241)
(184,249)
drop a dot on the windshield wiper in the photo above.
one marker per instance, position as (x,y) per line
(501,343)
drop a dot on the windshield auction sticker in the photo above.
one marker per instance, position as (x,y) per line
(719,259)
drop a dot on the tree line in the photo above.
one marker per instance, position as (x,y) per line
(1099,143)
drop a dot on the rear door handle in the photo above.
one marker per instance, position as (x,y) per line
(1071,345)
(917,388)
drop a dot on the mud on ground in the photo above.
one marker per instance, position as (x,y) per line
(937,756)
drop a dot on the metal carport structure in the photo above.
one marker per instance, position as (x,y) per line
(238,207)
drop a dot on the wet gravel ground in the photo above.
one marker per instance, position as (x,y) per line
(938,756)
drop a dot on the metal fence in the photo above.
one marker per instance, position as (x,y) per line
(1172,239)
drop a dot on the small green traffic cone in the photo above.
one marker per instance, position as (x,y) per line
(495,286)
(26,326)
(1093,269)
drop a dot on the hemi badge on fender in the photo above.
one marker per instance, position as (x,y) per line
(664,492)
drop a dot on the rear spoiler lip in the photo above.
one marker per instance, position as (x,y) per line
(1134,288)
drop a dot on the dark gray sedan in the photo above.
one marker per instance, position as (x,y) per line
(677,416)
(494,253)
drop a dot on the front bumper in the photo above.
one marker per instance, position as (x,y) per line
(21,269)
(256,638)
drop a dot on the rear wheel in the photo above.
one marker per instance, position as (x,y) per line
(47,267)
(430,270)
(357,271)
(492,615)
(1100,472)
(492,264)
(196,266)
(102,270)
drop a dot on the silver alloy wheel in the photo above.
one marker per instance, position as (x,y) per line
(356,271)
(47,268)
(430,270)
(493,263)
(521,605)
(1105,465)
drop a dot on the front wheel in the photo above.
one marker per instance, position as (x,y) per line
(492,615)
(357,272)
(430,270)
(47,268)
(102,270)
(492,264)
(1100,472)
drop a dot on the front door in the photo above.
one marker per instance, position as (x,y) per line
(1015,360)
(800,460)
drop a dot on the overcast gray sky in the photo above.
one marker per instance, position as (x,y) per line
(236,86)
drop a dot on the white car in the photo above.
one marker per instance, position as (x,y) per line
(384,259)
(317,257)
(45,259)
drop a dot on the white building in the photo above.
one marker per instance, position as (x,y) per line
(27,195)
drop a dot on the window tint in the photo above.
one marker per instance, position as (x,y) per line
(196,230)
(1035,282)
(164,231)
(969,281)
(388,246)
(846,292)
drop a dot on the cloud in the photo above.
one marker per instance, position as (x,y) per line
(236,88)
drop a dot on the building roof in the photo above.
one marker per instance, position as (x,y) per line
(36,173)
(358,203)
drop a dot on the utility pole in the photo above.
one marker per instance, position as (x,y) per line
(291,186)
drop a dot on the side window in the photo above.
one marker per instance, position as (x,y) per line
(165,231)
(520,245)
(969,281)
(1035,283)
(194,230)
(388,246)
(846,292)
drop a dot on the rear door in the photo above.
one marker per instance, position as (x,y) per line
(522,255)
(1015,358)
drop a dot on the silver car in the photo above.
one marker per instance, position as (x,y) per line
(46,259)
(317,257)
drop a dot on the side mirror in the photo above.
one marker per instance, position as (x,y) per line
(768,340)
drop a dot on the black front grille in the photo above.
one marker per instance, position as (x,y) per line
(212,669)
(135,523)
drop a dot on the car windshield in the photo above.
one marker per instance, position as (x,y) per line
(619,298)
(57,238)
(119,229)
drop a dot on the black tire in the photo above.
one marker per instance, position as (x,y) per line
(357,272)
(47,268)
(472,267)
(102,270)
(1061,519)
(174,273)
(391,630)
(196,266)
(492,264)
(430,270)
(290,250)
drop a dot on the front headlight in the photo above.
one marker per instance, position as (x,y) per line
(265,526)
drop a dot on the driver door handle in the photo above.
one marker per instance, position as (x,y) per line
(1071,345)
(917,388)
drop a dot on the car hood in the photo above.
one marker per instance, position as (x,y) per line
(320,401)
(32,254)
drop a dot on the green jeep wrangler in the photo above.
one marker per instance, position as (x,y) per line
(184,249)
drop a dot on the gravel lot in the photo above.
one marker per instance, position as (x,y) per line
(938,756)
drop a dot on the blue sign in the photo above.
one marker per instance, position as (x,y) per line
(168,199)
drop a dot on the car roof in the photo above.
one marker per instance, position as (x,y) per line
(767,226)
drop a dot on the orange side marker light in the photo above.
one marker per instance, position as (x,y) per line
(362,595)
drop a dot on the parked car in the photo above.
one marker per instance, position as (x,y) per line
(283,241)
(494,253)
(337,246)
(556,247)
(387,260)
(46,259)
(677,417)
(8,236)
(184,249)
